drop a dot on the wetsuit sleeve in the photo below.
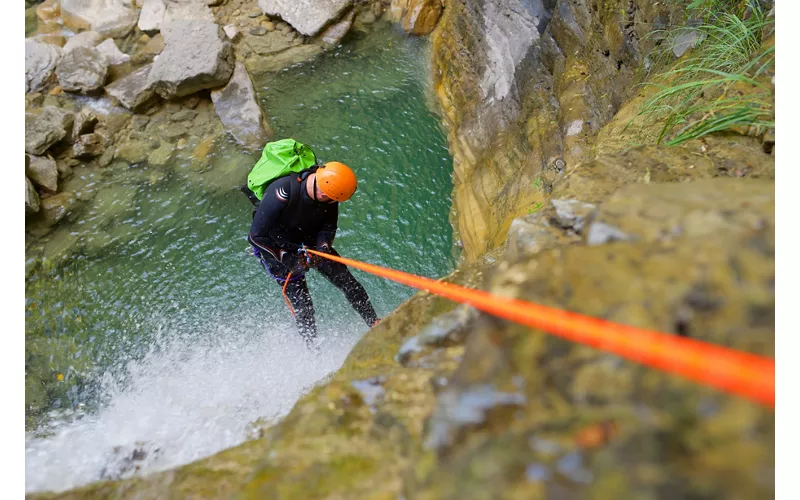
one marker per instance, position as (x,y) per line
(275,200)
(327,232)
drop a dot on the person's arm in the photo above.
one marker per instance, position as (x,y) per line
(275,200)
(327,232)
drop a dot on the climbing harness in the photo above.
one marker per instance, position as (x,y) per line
(748,375)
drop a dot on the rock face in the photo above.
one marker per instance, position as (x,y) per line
(237,106)
(82,70)
(417,16)
(112,18)
(513,89)
(41,60)
(306,16)
(197,55)
(42,171)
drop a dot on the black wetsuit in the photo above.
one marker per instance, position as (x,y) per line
(285,219)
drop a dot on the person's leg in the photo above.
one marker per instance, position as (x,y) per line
(343,279)
(298,295)
(300,298)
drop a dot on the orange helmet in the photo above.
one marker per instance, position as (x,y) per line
(336,181)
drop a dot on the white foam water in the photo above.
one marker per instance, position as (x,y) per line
(187,398)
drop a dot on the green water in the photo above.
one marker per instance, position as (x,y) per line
(163,250)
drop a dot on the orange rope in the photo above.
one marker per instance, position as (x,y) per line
(737,372)
(285,283)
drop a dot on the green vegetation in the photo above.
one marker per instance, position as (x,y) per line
(723,83)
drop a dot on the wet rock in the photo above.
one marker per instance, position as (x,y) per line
(133,152)
(106,158)
(134,91)
(44,130)
(334,34)
(238,109)
(88,146)
(112,18)
(126,461)
(42,171)
(111,52)
(197,55)
(258,31)
(174,131)
(84,123)
(82,70)
(41,60)
(56,207)
(421,16)
(255,13)
(258,63)
(31,198)
(306,16)
(151,16)
(139,122)
(269,44)
(572,214)
(183,115)
(86,39)
(162,155)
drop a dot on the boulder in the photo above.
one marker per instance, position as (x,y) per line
(113,18)
(333,35)
(42,171)
(133,91)
(238,109)
(52,39)
(44,130)
(49,10)
(133,152)
(187,11)
(82,70)
(113,55)
(41,60)
(197,55)
(151,16)
(88,39)
(55,207)
(88,146)
(306,16)
(85,121)
(31,198)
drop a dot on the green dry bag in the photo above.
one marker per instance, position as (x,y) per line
(279,158)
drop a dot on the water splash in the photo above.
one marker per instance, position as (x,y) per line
(188,397)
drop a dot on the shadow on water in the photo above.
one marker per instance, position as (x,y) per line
(160,339)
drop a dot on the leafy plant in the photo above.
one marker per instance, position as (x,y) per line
(717,87)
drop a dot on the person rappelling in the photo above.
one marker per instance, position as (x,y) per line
(296,206)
